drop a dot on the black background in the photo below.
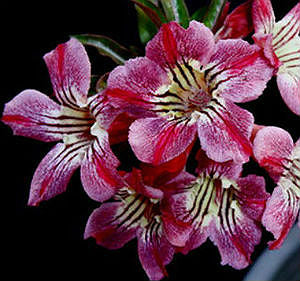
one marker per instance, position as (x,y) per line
(47,241)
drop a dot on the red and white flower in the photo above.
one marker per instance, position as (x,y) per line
(221,205)
(275,150)
(189,84)
(80,122)
(281,43)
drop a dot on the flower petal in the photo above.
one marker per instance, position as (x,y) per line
(70,73)
(270,147)
(286,29)
(280,214)
(173,43)
(99,175)
(157,140)
(110,225)
(237,71)
(238,23)
(263,16)
(224,133)
(55,170)
(154,250)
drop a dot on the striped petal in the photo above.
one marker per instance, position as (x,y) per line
(99,175)
(154,250)
(55,170)
(173,44)
(281,213)
(70,73)
(157,140)
(237,71)
(263,16)
(224,133)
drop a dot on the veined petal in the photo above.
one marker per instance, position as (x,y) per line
(155,251)
(238,23)
(111,224)
(55,170)
(99,175)
(286,29)
(271,147)
(263,16)
(237,71)
(173,43)
(280,214)
(225,131)
(157,140)
(70,73)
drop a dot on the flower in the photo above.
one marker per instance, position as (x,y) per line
(84,140)
(275,150)
(281,43)
(221,205)
(188,83)
(135,212)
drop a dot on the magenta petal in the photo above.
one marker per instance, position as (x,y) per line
(225,135)
(99,175)
(174,43)
(70,73)
(263,16)
(157,140)
(54,172)
(280,214)
(33,114)
(154,250)
(238,71)
(289,87)
(270,147)
(103,226)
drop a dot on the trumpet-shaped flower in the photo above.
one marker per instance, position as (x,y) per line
(84,140)
(189,84)
(275,150)
(221,205)
(281,43)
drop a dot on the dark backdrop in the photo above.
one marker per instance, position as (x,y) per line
(47,241)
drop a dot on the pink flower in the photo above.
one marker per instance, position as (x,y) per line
(134,213)
(84,140)
(275,150)
(186,84)
(281,43)
(221,205)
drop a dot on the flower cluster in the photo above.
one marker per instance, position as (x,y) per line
(181,95)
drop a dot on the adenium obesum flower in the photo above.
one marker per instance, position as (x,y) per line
(281,43)
(135,212)
(84,140)
(275,150)
(221,205)
(189,84)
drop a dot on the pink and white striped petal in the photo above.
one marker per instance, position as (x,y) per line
(263,16)
(173,44)
(55,170)
(158,140)
(271,147)
(99,175)
(237,71)
(110,225)
(154,250)
(280,214)
(70,73)
(224,133)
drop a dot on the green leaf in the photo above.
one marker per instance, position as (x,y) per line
(213,12)
(147,29)
(199,14)
(105,46)
(152,11)
(176,10)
